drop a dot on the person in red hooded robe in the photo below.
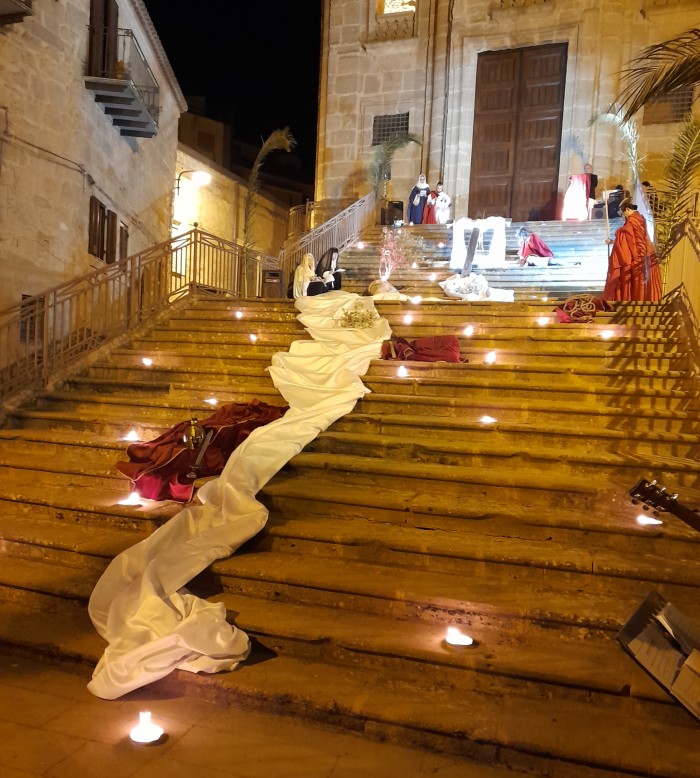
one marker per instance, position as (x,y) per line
(633,267)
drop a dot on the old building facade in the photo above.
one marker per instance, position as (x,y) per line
(501,93)
(89,108)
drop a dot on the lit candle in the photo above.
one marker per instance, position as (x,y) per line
(146,731)
(239,314)
(441,245)
(402,372)
(490,358)
(253,337)
(132,436)
(468,331)
(416,300)
(147,361)
(360,245)
(433,276)
(407,319)
(414,265)
(645,520)
(211,401)
(487,420)
(543,320)
(455,637)
(607,334)
(132,499)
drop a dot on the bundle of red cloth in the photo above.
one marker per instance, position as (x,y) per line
(159,469)
(441,348)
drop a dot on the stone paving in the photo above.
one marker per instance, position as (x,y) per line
(50,725)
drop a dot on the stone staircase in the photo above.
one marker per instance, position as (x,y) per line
(408,515)
(579,249)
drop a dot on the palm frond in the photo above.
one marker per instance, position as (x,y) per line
(659,70)
(384,153)
(677,190)
(279,140)
(630,135)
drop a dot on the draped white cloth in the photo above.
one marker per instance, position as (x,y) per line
(140,604)
(496,255)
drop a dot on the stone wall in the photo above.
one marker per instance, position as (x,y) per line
(425,64)
(219,206)
(57,148)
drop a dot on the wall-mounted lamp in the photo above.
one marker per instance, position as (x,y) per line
(199,178)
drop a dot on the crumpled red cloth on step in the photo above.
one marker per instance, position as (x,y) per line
(580,309)
(158,469)
(441,348)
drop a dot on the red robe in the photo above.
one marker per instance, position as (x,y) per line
(159,469)
(633,267)
(429,212)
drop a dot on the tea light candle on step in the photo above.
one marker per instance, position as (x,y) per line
(239,314)
(132,499)
(433,276)
(146,731)
(607,334)
(455,637)
(490,358)
(487,420)
(253,337)
(360,245)
(211,401)
(407,319)
(402,372)
(468,331)
(416,300)
(147,361)
(414,265)
(543,320)
(132,436)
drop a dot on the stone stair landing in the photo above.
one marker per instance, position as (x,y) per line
(408,515)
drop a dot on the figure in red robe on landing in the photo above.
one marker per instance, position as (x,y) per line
(633,267)
(533,250)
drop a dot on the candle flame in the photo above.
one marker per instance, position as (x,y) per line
(239,314)
(543,320)
(132,499)
(407,319)
(645,521)
(145,731)
(455,637)
(211,401)
(607,334)
(253,337)
(487,420)
(132,436)
(468,331)
(147,361)
(402,372)
(490,358)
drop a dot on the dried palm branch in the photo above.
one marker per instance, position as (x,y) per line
(659,70)
(378,170)
(678,188)
(630,135)
(279,140)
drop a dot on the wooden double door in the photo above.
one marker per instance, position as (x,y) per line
(517,133)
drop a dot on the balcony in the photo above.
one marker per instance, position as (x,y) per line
(125,87)
(12,11)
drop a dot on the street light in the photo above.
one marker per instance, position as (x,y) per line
(199,178)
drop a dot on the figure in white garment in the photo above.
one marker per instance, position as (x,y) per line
(303,275)
(442,205)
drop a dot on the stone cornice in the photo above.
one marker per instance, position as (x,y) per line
(145,19)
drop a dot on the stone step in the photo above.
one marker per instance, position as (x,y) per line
(194,373)
(412,446)
(438,597)
(538,413)
(193,385)
(645,444)
(611,522)
(585,739)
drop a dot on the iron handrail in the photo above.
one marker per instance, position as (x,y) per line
(338,232)
(47,333)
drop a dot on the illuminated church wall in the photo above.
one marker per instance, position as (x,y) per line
(423,62)
(58,148)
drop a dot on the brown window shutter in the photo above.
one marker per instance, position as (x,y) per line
(111,235)
(95,226)
(111,29)
(96,38)
(123,241)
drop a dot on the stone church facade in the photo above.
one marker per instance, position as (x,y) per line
(501,93)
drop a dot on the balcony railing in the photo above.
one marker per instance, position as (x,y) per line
(46,335)
(127,89)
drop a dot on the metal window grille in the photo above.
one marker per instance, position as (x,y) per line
(673,107)
(385,127)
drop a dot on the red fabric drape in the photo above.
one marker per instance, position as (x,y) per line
(633,267)
(158,469)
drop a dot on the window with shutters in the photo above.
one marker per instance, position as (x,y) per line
(102,50)
(385,127)
(102,231)
(123,241)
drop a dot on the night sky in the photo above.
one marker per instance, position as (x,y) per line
(256,64)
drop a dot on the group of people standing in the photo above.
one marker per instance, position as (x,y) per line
(426,206)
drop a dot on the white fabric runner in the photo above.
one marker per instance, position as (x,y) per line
(152,623)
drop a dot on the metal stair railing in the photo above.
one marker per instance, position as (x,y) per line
(338,232)
(46,333)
